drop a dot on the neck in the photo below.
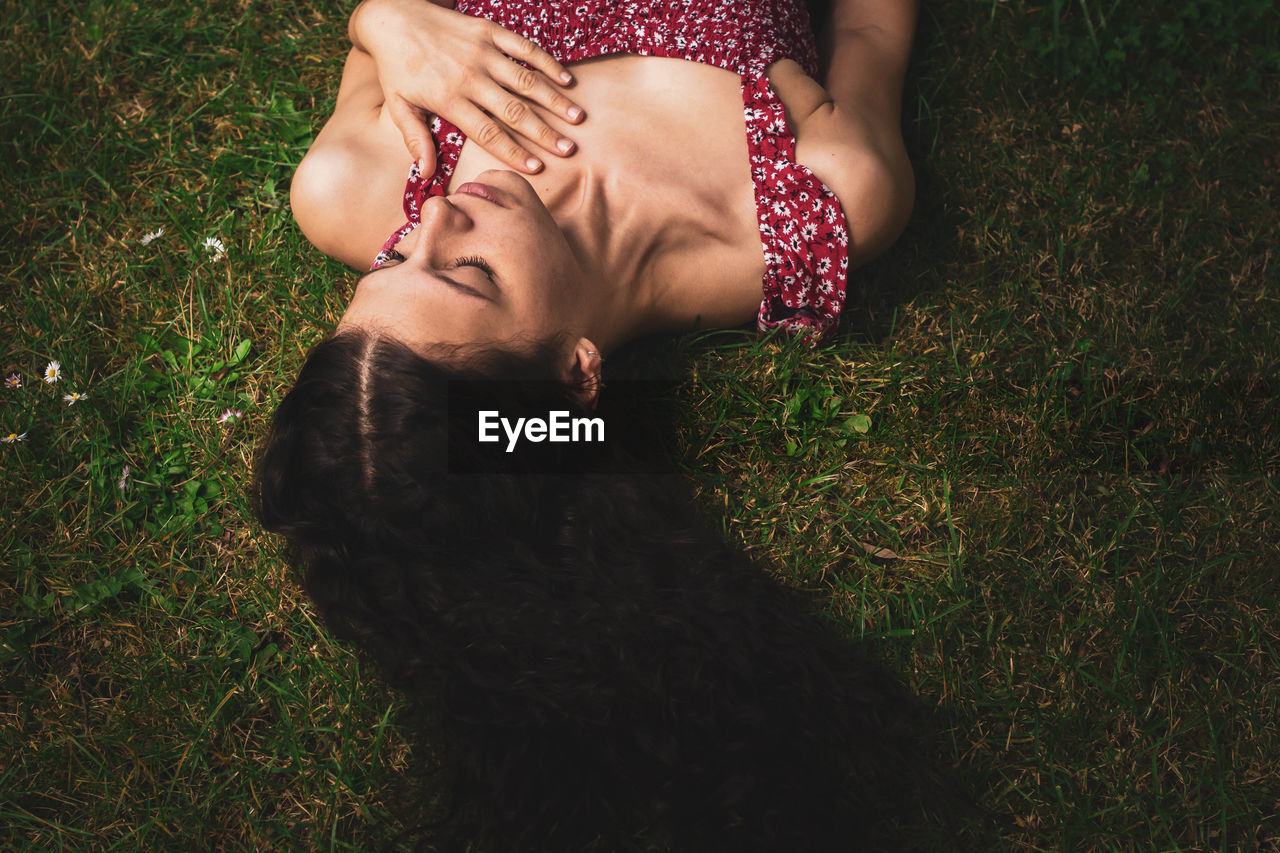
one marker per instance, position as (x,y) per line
(617,234)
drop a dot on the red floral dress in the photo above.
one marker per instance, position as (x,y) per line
(803,232)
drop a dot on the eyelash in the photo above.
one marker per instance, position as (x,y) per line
(475,261)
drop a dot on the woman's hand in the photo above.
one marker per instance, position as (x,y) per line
(432,59)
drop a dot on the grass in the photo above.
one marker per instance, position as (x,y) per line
(1039,471)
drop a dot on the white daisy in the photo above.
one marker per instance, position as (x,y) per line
(13,437)
(230,415)
(13,380)
(74,397)
(53,372)
(147,238)
(123,483)
(215,247)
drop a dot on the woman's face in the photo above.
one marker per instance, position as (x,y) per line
(487,264)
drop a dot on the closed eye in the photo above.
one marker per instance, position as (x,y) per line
(394,261)
(477,262)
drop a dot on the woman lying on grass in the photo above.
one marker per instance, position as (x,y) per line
(606,672)
(656,218)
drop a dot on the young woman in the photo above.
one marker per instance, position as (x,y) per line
(605,672)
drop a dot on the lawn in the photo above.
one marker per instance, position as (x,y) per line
(1038,472)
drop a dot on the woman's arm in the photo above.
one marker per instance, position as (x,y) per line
(336,191)
(870,46)
(431,59)
(353,34)
(854,141)
(335,194)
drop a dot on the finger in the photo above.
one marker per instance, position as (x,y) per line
(535,87)
(489,134)
(518,47)
(411,122)
(518,115)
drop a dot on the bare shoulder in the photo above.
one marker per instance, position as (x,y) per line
(343,193)
(857,152)
(868,170)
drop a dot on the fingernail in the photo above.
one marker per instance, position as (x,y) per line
(574,112)
(566,77)
(533,163)
(565,146)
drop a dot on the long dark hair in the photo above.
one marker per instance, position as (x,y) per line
(604,667)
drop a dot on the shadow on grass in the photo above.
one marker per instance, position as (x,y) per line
(931,813)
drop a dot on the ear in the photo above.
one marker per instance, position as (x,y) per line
(583,373)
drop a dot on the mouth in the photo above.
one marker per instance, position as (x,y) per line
(483,191)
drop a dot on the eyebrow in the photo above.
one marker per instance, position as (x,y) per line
(464,289)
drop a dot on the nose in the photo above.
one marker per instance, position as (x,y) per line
(440,219)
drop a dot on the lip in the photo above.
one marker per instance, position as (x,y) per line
(484,191)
